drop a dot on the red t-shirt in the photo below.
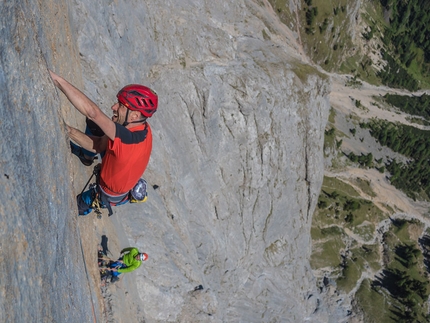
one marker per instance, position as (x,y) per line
(125,159)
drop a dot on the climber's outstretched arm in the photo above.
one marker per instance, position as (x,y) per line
(85,106)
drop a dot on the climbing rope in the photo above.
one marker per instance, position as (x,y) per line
(95,173)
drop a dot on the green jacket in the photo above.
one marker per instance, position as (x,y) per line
(129,260)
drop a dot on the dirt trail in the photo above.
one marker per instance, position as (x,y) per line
(387,195)
(388,198)
(343,98)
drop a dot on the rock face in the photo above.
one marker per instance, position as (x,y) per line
(237,157)
(42,271)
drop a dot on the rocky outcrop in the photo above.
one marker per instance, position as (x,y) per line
(237,158)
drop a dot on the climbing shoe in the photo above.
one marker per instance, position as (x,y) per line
(80,153)
(114,279)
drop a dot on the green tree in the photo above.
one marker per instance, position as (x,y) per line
(351,205)
(322,204)
(349,217)
(353,157)
(334,194)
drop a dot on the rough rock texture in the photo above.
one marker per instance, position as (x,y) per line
(42,270)
(237,157)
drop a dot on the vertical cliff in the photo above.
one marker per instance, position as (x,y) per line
(237,154)
(42,270)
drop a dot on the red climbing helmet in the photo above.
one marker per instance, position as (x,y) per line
(143,256)
(140,98)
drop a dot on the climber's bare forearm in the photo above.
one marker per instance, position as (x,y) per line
(90,143)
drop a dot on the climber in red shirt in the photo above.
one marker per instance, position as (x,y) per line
(124,141)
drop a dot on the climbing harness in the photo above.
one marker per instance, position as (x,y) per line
(96,198)
(95,204)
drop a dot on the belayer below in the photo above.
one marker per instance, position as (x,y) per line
(124,143)
(131,260)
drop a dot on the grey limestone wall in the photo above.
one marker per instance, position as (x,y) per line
(42,275)
(237,152)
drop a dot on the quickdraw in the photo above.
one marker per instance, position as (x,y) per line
(96,206)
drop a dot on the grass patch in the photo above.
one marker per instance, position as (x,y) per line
(364,185)
(403,281)
(331,184)
(351,273)
(325,39)
(340,204)
(330,139)
(282,10)
(325,29)
(303,71)
(401,290)
(332,115)
(365,231)
(367,212)
(369,254)
(326,250)
(374,305)
(401,231)
(350,64)
(418,120)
